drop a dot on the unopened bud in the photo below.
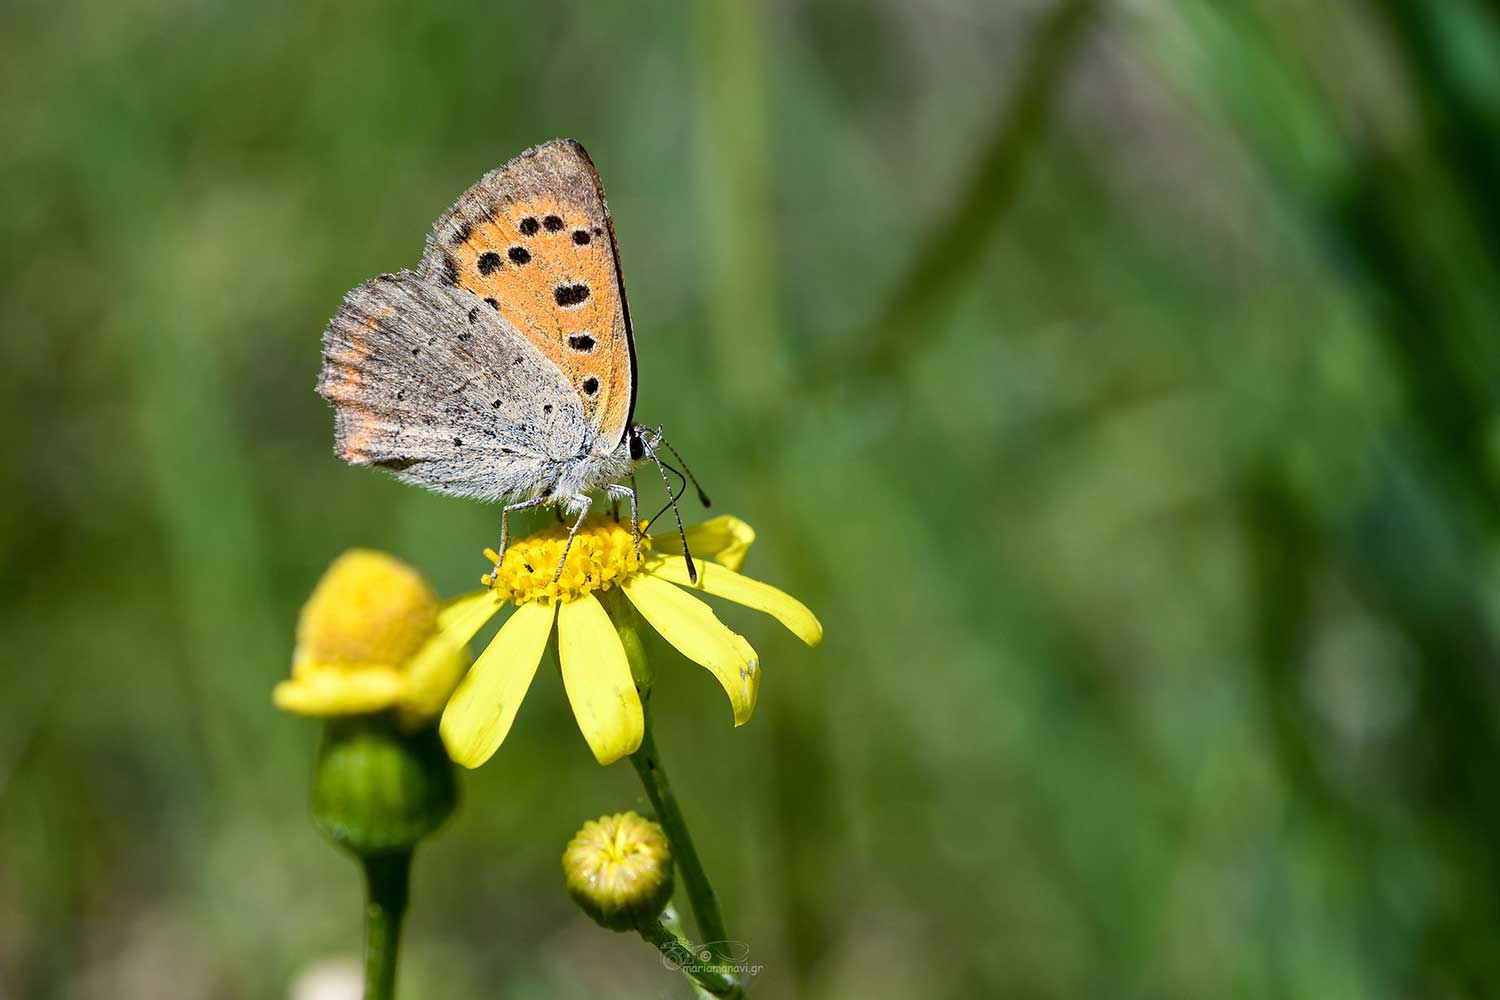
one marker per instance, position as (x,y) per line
(377,788)
(619,870)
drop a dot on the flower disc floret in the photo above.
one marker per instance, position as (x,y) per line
(602,555)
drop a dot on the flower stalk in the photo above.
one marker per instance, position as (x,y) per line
(387,878)
(701,895)
(679,951)
(377,793)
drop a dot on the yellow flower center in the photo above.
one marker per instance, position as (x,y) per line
(603,554)
(369,609)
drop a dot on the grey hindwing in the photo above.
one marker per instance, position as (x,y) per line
(432,383)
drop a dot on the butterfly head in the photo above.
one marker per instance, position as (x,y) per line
(643,443)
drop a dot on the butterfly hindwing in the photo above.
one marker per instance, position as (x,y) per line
(433,384)
(534,239)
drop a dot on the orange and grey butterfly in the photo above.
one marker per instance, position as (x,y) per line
(505,369)
(534,240)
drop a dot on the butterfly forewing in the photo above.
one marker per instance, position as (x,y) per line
(533,240)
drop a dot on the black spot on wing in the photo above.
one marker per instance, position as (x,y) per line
(590,386)
(528,226)
(582,342)
(553,223)
(489,262)
(581,237)
(493,304)
(570,295)
(396,464)
(519,255)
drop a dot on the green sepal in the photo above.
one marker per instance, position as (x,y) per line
(627,622)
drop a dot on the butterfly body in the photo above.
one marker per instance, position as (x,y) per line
(503,369)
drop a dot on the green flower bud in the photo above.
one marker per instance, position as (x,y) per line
(619,871)
(377,789)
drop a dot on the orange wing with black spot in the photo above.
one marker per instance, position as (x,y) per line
(534,239)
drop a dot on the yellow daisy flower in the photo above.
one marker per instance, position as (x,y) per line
(595,671)
(372,637)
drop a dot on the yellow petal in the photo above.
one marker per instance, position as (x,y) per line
(725,539)
(437,667)
(338,690)
(461,617)
(482,709)
(726,583)
(691,626)
(430,678)
(596,676)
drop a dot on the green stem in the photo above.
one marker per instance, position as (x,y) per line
(683,956)
(701,895)
(386,880)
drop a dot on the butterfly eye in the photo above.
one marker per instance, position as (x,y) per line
(637,449)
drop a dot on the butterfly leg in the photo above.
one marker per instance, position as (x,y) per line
(505,513)
(616,491)
(580,502)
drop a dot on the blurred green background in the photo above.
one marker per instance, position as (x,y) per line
(1118,381)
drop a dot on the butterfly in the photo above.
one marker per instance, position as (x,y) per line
(503,368)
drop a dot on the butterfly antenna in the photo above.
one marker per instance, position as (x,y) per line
(676,514)
(702,497)
(676,493)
